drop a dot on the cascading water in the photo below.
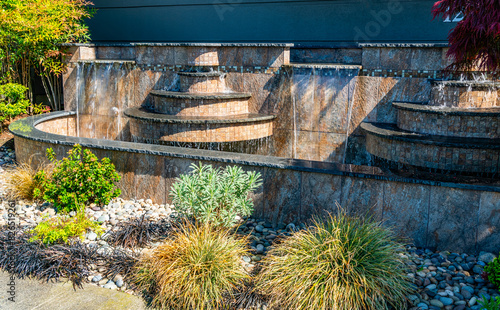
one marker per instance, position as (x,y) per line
(78,96)
(294,104)
(100,86)
(351,91)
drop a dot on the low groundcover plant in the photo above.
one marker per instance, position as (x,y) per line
(62,228)
(198,268)
(343,263)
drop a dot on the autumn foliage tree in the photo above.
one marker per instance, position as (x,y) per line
(475,40)
(31,33)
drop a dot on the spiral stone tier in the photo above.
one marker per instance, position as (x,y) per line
(161,128)
(204,114)
(462,134)
(199,104)
(202,82)
(471,155)
(444,121)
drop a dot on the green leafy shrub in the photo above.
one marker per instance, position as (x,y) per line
(493,272)
(492,304)
(215,195)
(62,228)
(344,263)
(12,101)
(31,33)
(196,269)
(40,108)
(78,179)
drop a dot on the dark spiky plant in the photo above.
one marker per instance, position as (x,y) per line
(24,258)
(138,232)
(475,41)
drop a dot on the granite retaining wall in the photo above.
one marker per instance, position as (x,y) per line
(446,216)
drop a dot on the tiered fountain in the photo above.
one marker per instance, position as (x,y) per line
(457,130)
(203,114)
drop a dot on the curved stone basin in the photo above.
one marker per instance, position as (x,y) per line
(471,155)
(448,121)
(160,128)
(196,104)
(442,215)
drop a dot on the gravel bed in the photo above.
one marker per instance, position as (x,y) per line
(443,280)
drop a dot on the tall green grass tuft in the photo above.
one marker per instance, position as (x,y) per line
(198,268)
(343,263)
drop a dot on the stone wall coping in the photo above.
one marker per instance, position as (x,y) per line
(177,44)
(263,44)
(143,114)
(405,45)
(323,66)
(347,45)
(424,108)
(105,61)
(25,128)
(200,96)
(392,132)
(201,73)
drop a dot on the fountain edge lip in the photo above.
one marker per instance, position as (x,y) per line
(201,73)
(141,113)
(199,96)
(466,83)
(260,161)
(422,107)
(391,132)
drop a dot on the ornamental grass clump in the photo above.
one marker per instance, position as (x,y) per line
(21,182)
(214,195)
(344,263)
(198,268)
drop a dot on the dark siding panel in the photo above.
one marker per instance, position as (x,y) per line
(292,21)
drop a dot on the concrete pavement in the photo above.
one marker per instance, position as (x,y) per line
(32,294)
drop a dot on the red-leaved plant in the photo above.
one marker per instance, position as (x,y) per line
(475,41)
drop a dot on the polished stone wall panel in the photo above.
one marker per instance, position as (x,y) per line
(453,216)
(406,210)
(281,196)
(363,198)
(327,55)
(320,195)
(488,222)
